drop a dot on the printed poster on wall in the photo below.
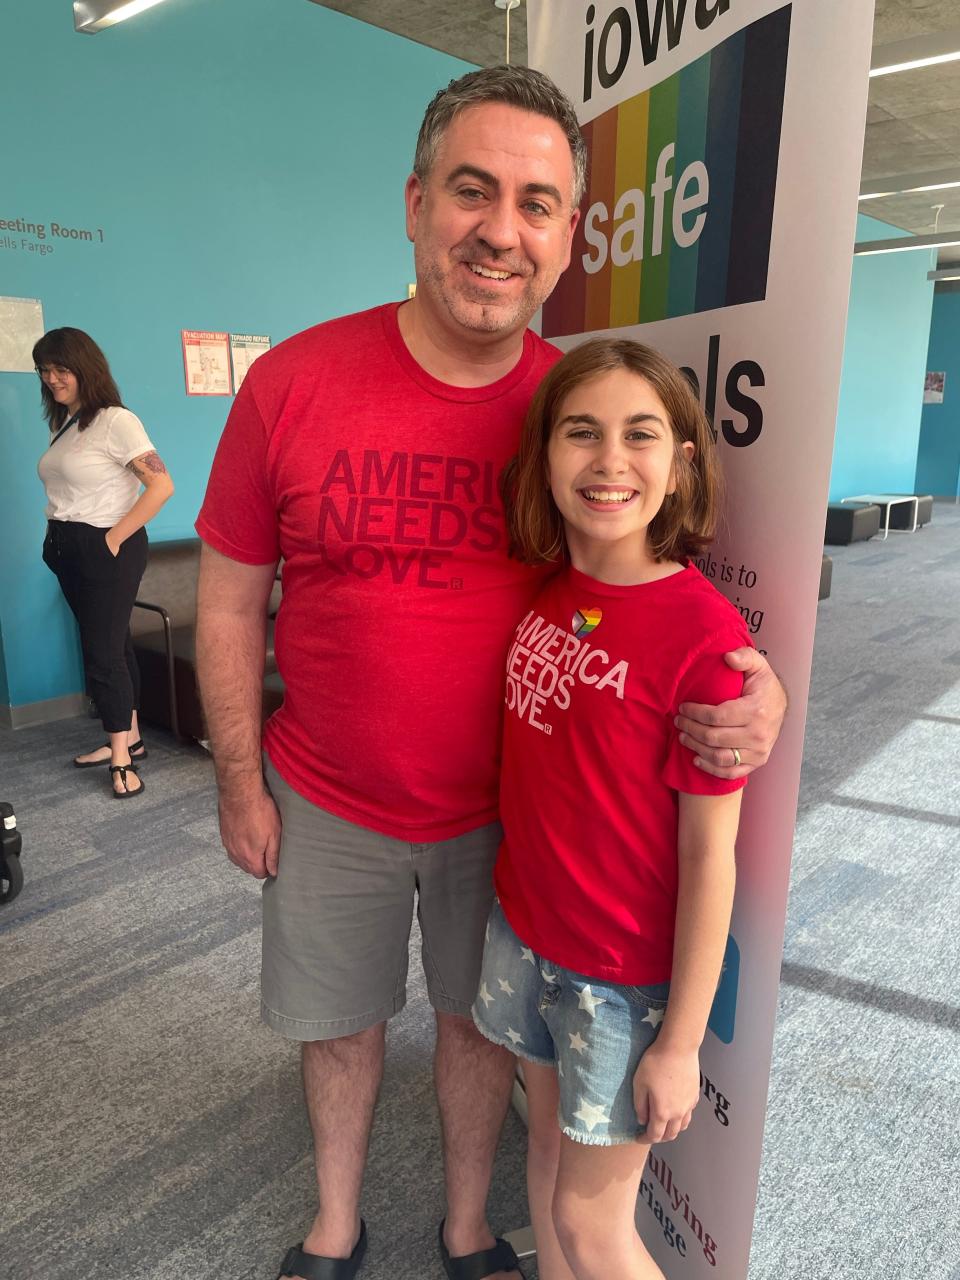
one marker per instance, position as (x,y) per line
(933,384)
(244,349)
(206,362)
(21,327)
(709,124)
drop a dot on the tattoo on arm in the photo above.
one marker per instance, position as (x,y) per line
(149,462)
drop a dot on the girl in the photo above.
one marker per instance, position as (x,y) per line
(98,458)
(615,877)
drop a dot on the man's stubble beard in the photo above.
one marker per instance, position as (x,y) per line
(476,314)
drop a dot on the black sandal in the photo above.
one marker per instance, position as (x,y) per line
(311,1266)
(476,1266)
(137,747)
(126,793)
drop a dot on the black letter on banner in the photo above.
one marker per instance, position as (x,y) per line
(705,15)
(619,18)
(650,41)
(750,408)
(588,56)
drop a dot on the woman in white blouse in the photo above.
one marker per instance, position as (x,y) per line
(98,459)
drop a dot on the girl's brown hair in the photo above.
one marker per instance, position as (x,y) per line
(75,350)
(685,523)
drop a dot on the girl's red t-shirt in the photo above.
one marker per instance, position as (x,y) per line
(592,765)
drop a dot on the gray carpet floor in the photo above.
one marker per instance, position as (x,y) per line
(861,1162)
(151,1128)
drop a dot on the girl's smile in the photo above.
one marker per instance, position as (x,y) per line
(600,496)
(611,460)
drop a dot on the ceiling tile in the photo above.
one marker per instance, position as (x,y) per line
(895,146)
(917,212)
(943,125)
(473,30)
(915,93)
(902,19)
(875,114)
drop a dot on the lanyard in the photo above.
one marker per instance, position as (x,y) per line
(65,428)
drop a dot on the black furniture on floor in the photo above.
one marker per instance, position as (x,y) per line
(900,515)
(272,694)
(826,577)
(851,522)
(164,637)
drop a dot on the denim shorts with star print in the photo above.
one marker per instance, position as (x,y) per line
(592,1031)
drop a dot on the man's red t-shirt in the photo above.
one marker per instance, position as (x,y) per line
(377,484)
(592,765)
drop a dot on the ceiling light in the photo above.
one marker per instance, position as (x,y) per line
(947,273)
(906,244)
(906,183)
(91,16)
(921,51)
(906,191)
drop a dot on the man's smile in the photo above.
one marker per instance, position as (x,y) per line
(489,273)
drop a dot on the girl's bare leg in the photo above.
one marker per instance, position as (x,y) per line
(543,1158)
(593,1211)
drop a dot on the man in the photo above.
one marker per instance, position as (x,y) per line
(366,452)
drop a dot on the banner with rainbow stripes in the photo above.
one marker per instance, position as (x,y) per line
(726,139)
(721,115)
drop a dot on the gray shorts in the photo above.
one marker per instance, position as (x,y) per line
(337,919)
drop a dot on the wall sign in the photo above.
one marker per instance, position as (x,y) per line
(206,362)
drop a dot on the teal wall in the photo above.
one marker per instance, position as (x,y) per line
(938,461)
(245,162)
(4,696)
(884,360)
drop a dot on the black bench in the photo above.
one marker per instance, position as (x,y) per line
(851,522)
(826,577)
(164,637)
(901,517)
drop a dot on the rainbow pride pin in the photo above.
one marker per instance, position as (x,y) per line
(585,621)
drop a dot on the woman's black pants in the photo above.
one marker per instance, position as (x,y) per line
(100,588)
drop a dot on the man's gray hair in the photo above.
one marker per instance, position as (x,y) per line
(520,87)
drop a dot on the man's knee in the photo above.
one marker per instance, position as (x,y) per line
(456,1034)
(362,1046)
(455,1026)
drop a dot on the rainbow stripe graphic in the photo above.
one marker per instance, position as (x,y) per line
(585,621)
(724,110)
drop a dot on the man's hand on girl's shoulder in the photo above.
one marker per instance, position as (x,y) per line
(736,737)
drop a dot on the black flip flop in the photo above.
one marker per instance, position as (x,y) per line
(126,793)
(311,1266)
(477,1266)
(98,764)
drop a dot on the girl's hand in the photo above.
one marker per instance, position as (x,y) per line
(113,543)
(666,1088)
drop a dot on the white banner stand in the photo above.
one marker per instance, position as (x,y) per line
(719,222)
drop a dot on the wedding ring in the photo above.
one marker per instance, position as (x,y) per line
(736,756)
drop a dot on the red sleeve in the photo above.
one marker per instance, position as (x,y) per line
(239,516)
(706,678)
